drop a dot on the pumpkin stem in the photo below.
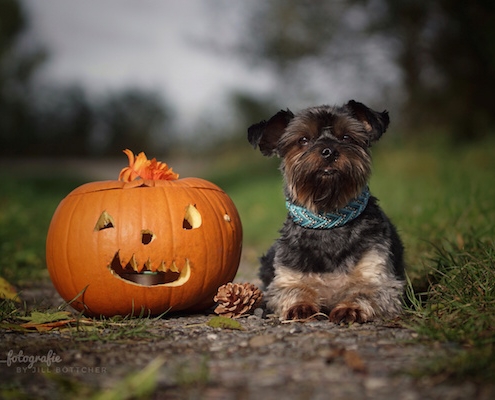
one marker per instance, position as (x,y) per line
(142,168)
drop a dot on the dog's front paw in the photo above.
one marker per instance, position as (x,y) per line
(300,311)
(349,312)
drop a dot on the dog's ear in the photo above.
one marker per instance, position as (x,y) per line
(375,122)
(266,134)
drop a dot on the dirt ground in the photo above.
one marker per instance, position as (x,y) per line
(267,359)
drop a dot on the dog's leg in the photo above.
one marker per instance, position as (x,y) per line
(371,291)
(352,310)
(291,296)
(370,303)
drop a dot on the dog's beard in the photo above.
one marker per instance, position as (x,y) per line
(321,186)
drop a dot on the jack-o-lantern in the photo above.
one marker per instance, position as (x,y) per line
(143,245)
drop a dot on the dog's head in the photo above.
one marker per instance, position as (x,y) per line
(325,151)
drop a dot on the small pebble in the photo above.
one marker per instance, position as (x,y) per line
(258,312)
(296,329)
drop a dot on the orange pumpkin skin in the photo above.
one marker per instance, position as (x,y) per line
(101,227)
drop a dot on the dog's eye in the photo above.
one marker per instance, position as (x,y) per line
(346,139)
(303,141)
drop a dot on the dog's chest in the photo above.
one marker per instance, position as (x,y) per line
(319,251)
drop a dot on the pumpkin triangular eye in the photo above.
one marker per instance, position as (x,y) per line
(192,218)
(104,222)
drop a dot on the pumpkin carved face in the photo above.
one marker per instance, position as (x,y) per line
(152,245)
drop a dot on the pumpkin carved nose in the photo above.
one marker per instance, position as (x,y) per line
(147,237)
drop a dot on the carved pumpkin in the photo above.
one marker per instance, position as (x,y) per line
(122,248)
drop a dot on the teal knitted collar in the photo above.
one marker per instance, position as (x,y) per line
(308,219)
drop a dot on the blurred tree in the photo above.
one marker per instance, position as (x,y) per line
(247,109)
(445,51)
(17,67)
(284,32)
(297,37)
(69,123)
(134,119)
(63,121)
(250,108)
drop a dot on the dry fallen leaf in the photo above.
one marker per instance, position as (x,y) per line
(354,361)
(224,323)
(38,317)
(350,357)
(48,326)
(7,291)
(46,321)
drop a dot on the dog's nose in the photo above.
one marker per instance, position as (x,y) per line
(328,152)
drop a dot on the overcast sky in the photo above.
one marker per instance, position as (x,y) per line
(155,44)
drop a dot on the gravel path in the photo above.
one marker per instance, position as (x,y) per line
(266,360)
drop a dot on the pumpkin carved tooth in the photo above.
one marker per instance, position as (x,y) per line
(133,263)
(115,263)
(162,267)
(184,275)
(173,267)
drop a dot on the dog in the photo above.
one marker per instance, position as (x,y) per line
(338,253)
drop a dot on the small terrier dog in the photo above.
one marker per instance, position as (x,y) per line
(338,252)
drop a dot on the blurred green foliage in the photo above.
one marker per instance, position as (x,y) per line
(436,192)
(433,193)
(26,207)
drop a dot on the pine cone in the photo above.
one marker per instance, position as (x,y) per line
(235,299)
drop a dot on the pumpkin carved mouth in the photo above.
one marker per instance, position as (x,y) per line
(144,275)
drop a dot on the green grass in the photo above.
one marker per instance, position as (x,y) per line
(125,329)
(435,194)
(255,185)
(26,207)
(460,309)
(461,300)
